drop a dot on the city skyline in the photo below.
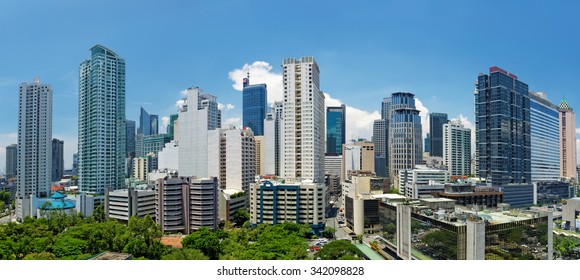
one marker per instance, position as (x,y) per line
(374,66)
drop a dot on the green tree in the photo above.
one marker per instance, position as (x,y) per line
(205,241)
(185,254)
(68,246)
(339,249)
(329,232)
(40,256)
(143,238)
(5,197)
(240,217)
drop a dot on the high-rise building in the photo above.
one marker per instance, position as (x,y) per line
(197,115)
(436,122)
(11,161)
(34,141)
(357,156)
(303,122)
(75,167)
(140,168)
(544,139)
(567,141)
(427,143)
(380,139)
(57,160)
(152,145)
(232,157)
(335,129)
(386,111)
(273,140)
(102,131)
(259,155)
(502,118)
(405,134)
(254,98)
(130,138)
(148,124)
(457,148)
(171,126)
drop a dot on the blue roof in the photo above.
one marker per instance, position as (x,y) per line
(57,195)
(57,205)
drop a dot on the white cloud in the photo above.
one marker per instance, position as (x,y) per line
(235,121)
(359,123)
(164,123)
(424,114)
(260,73)
(577,130)
(226,106)
(179,104)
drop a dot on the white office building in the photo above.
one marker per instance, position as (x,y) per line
(304,121)
(421,175)
(273,141)
(457,148)
(124,203)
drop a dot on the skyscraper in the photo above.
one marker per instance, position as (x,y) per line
(567,141)
(197,114)
(380,139)
(57,159)
(405,134)
(502,118)
(273,140)
(427,148)
(130,138)
(254,106)
(303,129)
(436,122)
(171,126)
(544,139)
(335,129)
(11,161)
(148,124)
(102,148)
(457,148)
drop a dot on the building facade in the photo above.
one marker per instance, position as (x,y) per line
(436,122)
(335,129)
(34,166)
(123,204)
(303,121)
(357,156)
(405,134)
(273,140)
(457,149)
(567,141)
(254,101)
(130,138)
(185,204)
(502,113)
(57,159)
(102,131)
(148,124)
(544,139)
(301,203)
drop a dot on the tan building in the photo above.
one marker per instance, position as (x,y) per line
(567,141)
(140,168)
(259,155)
(357,156)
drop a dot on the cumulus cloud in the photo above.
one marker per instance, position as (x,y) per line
(226,106)
(260,73)
(468,124)
(359,123)
(424,114)
(577,130)
(164,123)
(179,104)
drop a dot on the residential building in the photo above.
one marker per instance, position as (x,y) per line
(123,204)
(57,159)
(140,168)
(185,204)
(232,157)
(276,203)
(198,113)
(457,148)
(544,139)
(11,161)
(102,131)
(436,122)
(567,141)
(405,134)
(357,156)
(34,165)
(254,100)
(502,113)
(303,121)
(335,129)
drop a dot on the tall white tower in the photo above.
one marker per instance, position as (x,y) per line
(303,122)
(457,148)
(34,139)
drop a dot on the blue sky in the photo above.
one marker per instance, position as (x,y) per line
(365,51)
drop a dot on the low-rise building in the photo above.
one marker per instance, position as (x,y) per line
(468,194)
(125,203)
(361,208)
(552,191)
(231,200)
